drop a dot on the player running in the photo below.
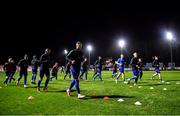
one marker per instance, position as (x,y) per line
(68,70)
(44,69)
(157,71)
(54,71)
(23,66)
(98,64)
(134,64)
(120,63)
(140,65)
(34,64)
(75,57)
(84,68)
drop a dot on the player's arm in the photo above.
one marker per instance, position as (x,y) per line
(69,57)
(43,59)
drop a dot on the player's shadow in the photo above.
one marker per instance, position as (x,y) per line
(57,91)
(173,80)
(34,86)
(109,96)
(158,84)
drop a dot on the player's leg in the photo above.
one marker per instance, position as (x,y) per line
(40,80)
(82,73)
(19,78)
(86,72)
(47,79)
(133,77)
(72,82)
(140,74)
(25,79)
(56,75)
(100,76)
(154,75)
(160,77)
(52,76)
(6,79)
(123,77)
(136,73)
(66,73)
(32,78)
(11,77)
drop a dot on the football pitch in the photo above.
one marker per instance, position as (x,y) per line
(156,98)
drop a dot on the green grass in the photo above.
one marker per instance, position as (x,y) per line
(13,100)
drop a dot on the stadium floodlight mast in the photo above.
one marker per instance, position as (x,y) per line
(170,38)
(121,44)
(89,48)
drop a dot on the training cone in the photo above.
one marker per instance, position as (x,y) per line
(120,100)
(106,98)
(93,95)
(139,86)
(30,98)
(138,103)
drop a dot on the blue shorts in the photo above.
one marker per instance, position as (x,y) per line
(121,69)
(99,70)
(135,72)
(8,74)
(34,71)
(75,71)
(157,71)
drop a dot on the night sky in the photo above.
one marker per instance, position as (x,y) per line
(101,26)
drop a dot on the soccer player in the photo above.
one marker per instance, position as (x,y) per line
(98,64)
(34,64)
(140,65)
(54,71)
(114,69)
(134,64)
(84,68)
(68,70)
(23,66)
(13,71)
(157,71)
(62,69)
(44,69)
(8,70)
(120,63)
(75,57)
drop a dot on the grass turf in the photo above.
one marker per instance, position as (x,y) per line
(13,100)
